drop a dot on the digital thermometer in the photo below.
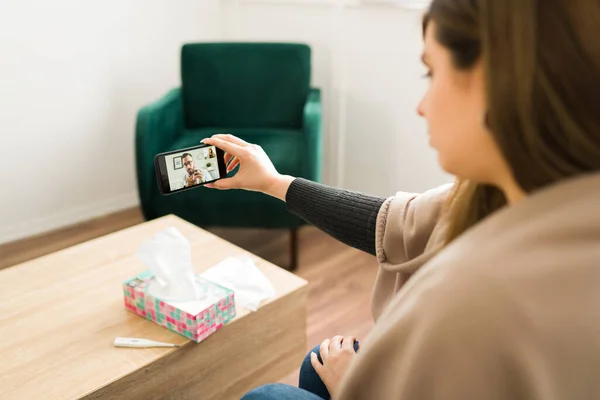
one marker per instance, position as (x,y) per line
(135,342)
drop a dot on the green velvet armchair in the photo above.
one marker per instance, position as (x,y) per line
(259,92)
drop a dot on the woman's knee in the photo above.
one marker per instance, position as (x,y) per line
(279,391)
(265,392)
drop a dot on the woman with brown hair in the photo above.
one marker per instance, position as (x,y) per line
(488,288)
(210,154)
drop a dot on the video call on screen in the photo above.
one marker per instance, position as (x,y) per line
(192,167)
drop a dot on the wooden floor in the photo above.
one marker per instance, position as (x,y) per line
(340,278)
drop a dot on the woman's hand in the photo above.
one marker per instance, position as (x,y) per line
(337,354)
(256,172)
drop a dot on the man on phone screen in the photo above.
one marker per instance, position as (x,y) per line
(193,176)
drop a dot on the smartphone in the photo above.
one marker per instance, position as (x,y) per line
(189,168)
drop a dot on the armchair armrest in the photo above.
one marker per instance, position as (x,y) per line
(313,128)
(157,126)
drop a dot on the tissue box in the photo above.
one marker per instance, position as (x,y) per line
(195,320)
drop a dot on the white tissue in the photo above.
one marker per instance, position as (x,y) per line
(168,256)
(248,283)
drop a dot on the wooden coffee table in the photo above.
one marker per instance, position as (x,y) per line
(60,313)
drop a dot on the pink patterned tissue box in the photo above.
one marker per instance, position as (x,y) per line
(195,320)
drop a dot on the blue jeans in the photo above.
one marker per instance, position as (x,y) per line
(310,386)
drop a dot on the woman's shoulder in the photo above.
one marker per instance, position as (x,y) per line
(427,205)
(407,222)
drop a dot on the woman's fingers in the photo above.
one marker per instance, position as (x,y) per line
(348,343)
(324,350)
(335,344)
(234,163)
(232,139)
(224,184)
(318,367)
(227,146)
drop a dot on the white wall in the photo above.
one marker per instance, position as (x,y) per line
(72,76)
(366,60)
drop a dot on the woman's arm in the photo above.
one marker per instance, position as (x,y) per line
(348,216)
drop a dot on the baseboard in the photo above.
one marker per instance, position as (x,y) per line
(61,219)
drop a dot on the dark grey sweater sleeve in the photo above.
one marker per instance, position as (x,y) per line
(348,216)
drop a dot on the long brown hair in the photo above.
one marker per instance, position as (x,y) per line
(542,70)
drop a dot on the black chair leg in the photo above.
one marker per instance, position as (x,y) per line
(293,249)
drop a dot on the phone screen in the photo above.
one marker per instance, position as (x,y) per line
(188,168)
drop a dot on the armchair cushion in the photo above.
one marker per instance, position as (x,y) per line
(225,208)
